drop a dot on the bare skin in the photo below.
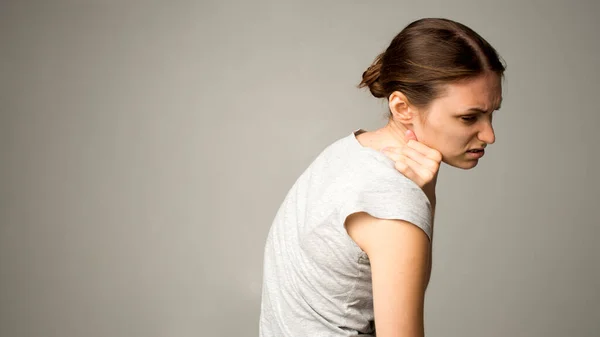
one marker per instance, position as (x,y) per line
(418,141)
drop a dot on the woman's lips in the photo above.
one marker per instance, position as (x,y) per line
(476,153)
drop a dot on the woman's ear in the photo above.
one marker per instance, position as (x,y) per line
(400,108)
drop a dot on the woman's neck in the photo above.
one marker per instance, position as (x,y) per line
(391,135)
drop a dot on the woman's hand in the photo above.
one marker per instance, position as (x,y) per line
(417,161)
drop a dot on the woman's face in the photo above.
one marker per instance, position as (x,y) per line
(461,120)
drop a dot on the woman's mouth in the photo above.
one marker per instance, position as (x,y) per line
(476,153)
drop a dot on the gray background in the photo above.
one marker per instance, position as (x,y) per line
(145,148)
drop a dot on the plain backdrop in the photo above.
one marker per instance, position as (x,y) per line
(145,147)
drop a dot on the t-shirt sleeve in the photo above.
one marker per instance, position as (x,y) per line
(392,196)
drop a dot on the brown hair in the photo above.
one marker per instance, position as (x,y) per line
(425,55)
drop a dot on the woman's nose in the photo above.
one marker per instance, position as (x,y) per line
(487,133)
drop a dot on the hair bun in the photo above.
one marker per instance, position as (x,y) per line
(370,78)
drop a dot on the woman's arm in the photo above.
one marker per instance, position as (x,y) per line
(420,164)
(399,255)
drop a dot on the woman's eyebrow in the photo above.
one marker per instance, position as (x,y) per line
(475,111)
(480,110)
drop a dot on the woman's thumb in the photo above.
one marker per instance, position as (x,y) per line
(410,135)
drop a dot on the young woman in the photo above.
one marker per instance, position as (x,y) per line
(349,250)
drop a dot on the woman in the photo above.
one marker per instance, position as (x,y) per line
(349,251)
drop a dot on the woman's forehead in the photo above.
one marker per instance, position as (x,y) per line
(484,92)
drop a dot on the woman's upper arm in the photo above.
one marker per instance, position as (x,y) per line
(399,255)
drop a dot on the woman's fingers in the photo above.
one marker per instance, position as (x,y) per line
(420,158)
(409,167)
(420,167)
(406,170)
(420,161)
(422,174)
(418,152)
(391,152)
(425,150)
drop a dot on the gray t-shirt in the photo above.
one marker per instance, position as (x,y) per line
(316,279)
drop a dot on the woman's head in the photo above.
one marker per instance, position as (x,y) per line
(432,73)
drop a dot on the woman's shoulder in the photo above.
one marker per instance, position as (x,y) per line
(347,161)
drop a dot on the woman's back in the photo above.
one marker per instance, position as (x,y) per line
(317,280)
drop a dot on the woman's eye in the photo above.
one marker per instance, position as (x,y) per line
(468,118)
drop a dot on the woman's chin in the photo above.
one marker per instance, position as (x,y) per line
(463,164)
